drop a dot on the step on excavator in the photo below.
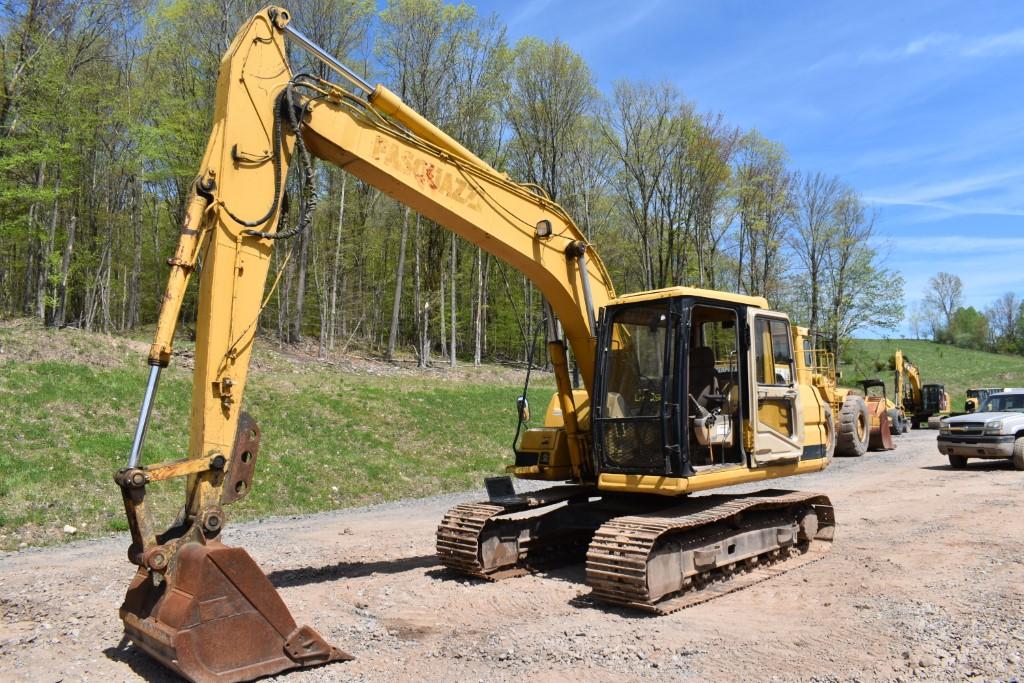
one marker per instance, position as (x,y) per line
(684,391)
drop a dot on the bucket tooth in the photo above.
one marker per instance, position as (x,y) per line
(216,618)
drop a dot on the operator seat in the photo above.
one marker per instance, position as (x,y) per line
(703,379)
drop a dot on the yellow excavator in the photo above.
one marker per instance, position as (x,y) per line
(684,390)
(922,403)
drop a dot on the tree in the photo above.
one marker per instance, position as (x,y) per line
(945,294)
(1004,318)
(816,198)
(916,319)
(419,48)
(969,329)
(765,210)
(859,291)
(642,126)
(550,90)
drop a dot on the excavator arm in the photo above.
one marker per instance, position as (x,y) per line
(200,607)
(908,382)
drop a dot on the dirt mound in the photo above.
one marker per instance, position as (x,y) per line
(27,340)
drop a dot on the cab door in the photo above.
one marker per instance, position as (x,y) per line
(778,422)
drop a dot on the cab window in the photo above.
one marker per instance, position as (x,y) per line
(774,352)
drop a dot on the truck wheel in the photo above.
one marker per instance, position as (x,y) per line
(1018,453)
(958,462)
(854,427)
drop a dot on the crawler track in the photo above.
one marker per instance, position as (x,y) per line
(518,534)
(458,541)
(622,553)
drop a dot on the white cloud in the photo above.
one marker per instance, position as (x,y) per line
(998,45)
(528,10)
(913,48)
(948,196)
(957,244)
(939,44)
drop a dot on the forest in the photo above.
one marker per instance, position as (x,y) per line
(106,109)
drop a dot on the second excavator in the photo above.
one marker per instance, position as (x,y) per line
(684,391)
(922,403)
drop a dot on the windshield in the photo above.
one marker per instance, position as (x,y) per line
(1006,403)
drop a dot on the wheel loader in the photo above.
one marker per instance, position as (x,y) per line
(684,391)
(863,422)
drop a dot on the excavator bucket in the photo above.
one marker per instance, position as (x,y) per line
(218,619)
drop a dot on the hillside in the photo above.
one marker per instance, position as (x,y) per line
(957,368)
(339,433)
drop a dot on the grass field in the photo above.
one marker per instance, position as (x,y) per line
(330,438)
(959,369)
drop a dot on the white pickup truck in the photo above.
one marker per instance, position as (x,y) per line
(997,431)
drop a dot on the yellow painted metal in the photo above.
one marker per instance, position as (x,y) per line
(713,479)
(182,264)
(389,103)
(712,294)
(553,413)
(253,72)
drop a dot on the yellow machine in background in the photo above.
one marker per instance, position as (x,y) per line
(976,398)
(920,401)
(684,390)
(863,423)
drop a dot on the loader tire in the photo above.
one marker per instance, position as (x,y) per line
(830,433)
(895,423)
(1018,453)
(854,428)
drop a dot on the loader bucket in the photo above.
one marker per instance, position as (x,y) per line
(218,619)
(880,438)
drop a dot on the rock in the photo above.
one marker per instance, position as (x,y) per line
(926,661)
(68,529)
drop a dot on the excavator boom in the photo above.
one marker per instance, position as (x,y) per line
(189,586)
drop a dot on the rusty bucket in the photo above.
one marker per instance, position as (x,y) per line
(216,618)
(880,438)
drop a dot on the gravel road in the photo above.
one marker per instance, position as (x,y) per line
(925,581)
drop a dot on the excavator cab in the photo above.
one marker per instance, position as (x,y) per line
(934,398)
(677,378)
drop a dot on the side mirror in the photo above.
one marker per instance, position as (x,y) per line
(523,408)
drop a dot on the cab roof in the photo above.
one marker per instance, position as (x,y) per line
(714,294)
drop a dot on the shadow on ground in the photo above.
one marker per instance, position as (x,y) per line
(977,466)
(139,662)
(286,578)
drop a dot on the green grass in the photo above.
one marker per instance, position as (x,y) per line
(330,439)
(959,369)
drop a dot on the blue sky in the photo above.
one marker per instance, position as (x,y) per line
(917,105)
